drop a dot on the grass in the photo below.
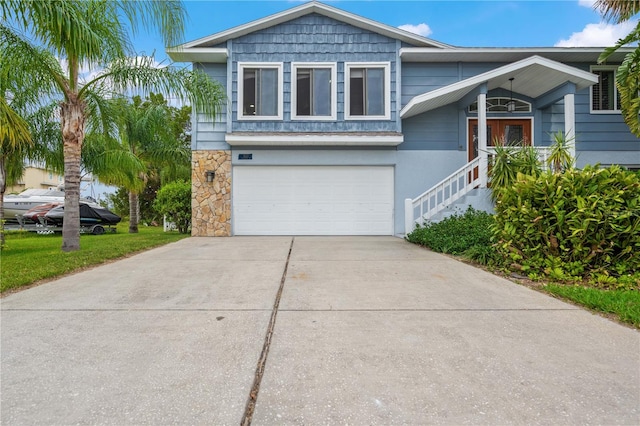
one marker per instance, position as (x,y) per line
(624,304)
(29,257)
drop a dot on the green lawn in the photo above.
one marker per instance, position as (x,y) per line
(624,304)
(29,257)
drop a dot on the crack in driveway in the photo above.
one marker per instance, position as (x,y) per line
(262,361)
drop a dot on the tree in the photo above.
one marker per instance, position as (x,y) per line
(146,136)
(174,201)
(15,135)
(628,73)
(93,34)
(23,121)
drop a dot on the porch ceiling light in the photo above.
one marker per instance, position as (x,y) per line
(210,174)
(511,105)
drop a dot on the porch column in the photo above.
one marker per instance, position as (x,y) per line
(570,122)
(482,136)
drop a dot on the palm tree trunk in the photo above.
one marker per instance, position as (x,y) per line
(133,212)
(3,187)
(72,136)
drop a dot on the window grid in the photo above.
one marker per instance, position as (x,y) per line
(604,94)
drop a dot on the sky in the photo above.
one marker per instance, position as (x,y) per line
(478,23)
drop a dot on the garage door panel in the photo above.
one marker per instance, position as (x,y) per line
(312,200)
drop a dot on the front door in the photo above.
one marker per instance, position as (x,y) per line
(509,131)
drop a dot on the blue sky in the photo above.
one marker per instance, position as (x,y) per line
(479,23)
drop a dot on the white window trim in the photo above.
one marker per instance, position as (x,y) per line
(272,65)
(347,87)
(334,91)
(613,68)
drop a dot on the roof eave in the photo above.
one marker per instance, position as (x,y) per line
(506,54)
(199,54)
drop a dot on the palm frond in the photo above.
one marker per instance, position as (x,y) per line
(628,84)
(617,10)
(29,72)
(141,75)
(106,159)
(168,16)
(14,130)
(633,36)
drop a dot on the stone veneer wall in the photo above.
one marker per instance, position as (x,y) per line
(211,201)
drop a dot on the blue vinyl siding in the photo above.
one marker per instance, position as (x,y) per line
(314,38)
(208,133)
(419,78)
(436,130)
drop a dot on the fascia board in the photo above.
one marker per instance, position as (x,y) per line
(505,54)
(200,54)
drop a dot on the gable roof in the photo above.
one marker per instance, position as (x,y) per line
(533,77)
(306,9)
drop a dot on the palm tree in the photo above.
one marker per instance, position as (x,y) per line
(20,120)
(146,137)
(15,135)
(628,74)
(93,34)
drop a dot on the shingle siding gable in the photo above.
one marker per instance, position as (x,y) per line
(314,38)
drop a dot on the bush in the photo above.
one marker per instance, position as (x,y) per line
(573,225)
(455,234)
(174,201)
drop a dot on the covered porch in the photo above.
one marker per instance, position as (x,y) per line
(542,80)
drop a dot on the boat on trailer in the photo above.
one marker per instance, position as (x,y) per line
(19,204)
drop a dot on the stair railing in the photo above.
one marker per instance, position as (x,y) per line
(443,194)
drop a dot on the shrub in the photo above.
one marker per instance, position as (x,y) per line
(571,225)
(509,161)
(455,234)
(174,201)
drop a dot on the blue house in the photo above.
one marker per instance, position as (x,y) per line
(340,125)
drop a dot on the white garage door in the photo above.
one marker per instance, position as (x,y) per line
(312,200)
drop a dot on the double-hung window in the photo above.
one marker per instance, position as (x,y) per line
(368,91)
(604,94)
(260,91)
(314,91)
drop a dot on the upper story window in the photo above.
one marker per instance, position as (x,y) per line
(604,94)
(260,91)
(368,91)
(314,91)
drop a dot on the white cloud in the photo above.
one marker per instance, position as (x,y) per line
(587,3)
(420,29)
(598,35)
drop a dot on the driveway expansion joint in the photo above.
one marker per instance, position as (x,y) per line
(262,361)
(437,310)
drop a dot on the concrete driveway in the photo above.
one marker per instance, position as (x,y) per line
(369,330)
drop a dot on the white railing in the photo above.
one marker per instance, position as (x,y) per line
(446,192)
(441,195)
